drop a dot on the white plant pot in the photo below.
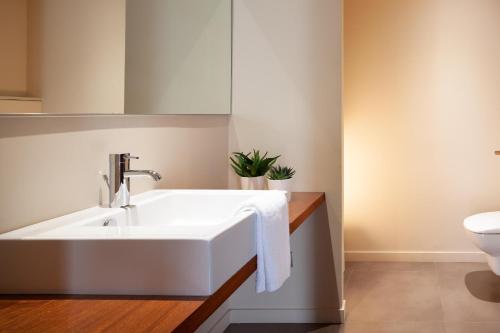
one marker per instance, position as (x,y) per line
(253,183)
(281,185)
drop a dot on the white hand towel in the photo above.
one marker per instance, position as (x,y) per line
(272,238)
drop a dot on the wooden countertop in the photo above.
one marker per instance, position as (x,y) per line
(68,313)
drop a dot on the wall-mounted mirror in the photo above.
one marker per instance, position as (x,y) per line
(115,56)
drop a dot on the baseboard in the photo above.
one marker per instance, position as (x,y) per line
(415,256)
(222,323)
(321,315)
(218,321)
(342,313)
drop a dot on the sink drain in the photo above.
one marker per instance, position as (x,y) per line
(108,221)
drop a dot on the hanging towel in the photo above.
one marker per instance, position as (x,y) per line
(272,238)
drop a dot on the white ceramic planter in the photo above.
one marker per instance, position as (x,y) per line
(282,185)
(253,183)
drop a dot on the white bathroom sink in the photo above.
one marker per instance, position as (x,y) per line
(169,242)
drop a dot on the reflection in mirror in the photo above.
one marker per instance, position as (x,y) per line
(115,56)
(73,55)
(178,56)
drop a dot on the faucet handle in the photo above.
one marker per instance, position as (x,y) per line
(130,157)
(121,157)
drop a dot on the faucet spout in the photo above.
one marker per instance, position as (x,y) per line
(119,179)
(140,173)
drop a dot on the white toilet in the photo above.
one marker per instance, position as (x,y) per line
(484,230)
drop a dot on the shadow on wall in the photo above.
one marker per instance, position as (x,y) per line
(12,126)
(484,285)
(324,290)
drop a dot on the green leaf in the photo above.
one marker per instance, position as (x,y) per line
(281,173)
(252,164)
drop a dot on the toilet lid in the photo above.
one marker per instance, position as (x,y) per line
(484,223)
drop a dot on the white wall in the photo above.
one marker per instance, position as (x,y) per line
(50,165)
(178,57)
(421,124)
(287,96)
(76,55)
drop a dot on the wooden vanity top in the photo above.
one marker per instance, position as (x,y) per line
(69,313)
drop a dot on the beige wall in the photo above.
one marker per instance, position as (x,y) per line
(287,95)
(421,123)
(76,55)
(13,47)
(50,165)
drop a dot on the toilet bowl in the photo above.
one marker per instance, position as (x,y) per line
(484,230)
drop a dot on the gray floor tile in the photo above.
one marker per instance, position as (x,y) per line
(469,292)
(397,295)
(394,327)
(351,327)
(471,327)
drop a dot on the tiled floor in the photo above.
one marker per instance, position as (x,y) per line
(410,298)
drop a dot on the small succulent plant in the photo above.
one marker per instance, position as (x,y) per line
(251,164)
(280,173)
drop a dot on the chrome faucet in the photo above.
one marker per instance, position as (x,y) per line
(118,180)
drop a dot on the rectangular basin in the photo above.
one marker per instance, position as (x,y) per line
(169,242)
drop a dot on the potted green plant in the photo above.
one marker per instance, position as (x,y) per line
(252,168)
(280,178)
